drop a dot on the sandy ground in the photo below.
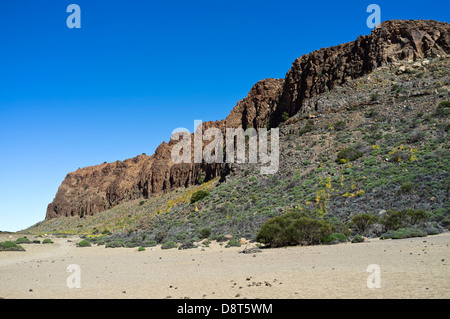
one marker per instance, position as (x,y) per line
(409,268)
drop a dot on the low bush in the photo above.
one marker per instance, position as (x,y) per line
(402,233)
(84,243)
(114,243)
(199,195)
(10,246)
(141,248)
(443,109)
(357,239)
(334,238)
(361,222)
(395,219)
(233,242)
(293,229)
(405,188)
(47,241)
(169,245)
(205,232)
(348,154)
(23,240)
(148,243)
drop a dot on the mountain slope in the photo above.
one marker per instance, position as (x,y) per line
(393,116)
(91,190)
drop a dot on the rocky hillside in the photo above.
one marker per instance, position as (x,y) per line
(91,190)
(383,145)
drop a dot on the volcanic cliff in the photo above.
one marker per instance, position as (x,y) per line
(90,190)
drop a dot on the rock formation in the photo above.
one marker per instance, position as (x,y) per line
(90,190)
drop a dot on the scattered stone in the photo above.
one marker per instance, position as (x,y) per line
(251,250)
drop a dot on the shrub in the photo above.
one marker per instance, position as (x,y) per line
(395,219)
(10,246)
(233,242)
(169,245)
(142,202)
(348,154)
(374,97)
(339,126)
(199,195)
(47,241)
(141,248)
(149,243)
(205,232)
(160,236)
(405,188)
(36,241)
(362,222)
(408,233)
(131,244)
(293,229)
(334,238)
(370,113)
(357,239)
(23,240)
(443,109)
(396,88)
(309,126)
(285,116)
(416,136)
(114,243)
(84,243)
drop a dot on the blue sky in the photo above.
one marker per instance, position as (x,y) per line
(136,70)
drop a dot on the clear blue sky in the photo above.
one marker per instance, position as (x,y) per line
(136,70)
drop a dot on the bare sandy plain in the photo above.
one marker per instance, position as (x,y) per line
(409,268)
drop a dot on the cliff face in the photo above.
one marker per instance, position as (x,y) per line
(90,190)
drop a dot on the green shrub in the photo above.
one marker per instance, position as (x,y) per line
(131,244)
(47,241)
(233,242)
(293,229)
(334,238)
(36,241)
(374,97)
(396,88)
(148,243)
(23,240)
(205,232)
(142,202)
(339,126)
(84,243)
(10,246)
(141,248)
(309,126)
(395,219)
(362,221)
(114,243)
(357,239)
(406,188)
(285,116)
(370,113)
(443,109)
(199,195)
(169,245)
(348,154)
(408,233)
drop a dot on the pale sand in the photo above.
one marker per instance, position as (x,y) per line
(410,268)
